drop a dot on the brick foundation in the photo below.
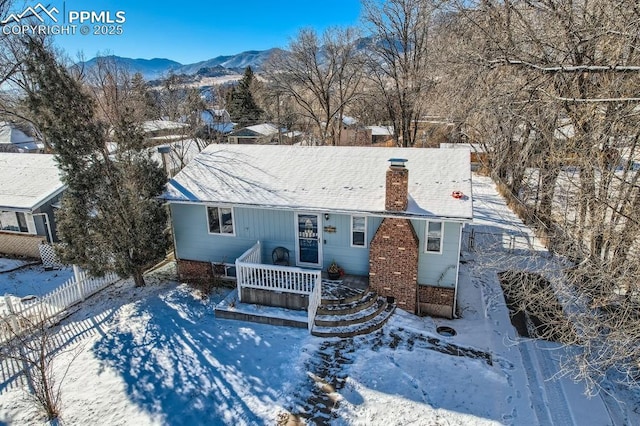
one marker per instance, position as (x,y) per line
(194,271)
(436,301)
(393,262)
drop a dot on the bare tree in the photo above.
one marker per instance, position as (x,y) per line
(30,342)
(400,64)
(321,75)
(551,88)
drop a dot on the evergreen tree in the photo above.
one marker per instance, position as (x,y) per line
(241,104)
(111,219)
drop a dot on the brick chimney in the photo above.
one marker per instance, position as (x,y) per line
(397,186)
(393,254)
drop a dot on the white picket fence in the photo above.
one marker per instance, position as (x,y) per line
(19,315)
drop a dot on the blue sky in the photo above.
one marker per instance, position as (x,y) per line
(188,31)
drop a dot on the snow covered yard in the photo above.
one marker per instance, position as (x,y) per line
(31,280)
(158,355)
(19,279)
(7,264)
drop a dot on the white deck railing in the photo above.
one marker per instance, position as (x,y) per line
(315,298)
(252,273)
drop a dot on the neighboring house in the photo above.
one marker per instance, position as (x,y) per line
(217,120)
(16,140)
(30,189)
(259,134)
(398,225)
(381,135)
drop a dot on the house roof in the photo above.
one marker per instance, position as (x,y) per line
(265,129)
(158,125)
(381,130)
(180,152)
(16,137)
(27,180)
(323,178)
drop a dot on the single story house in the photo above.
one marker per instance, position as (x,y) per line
(393,215)
(258,134)
(30,189)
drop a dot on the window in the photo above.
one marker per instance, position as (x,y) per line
(220,220)
(433,237)
(359,231)
(13,221)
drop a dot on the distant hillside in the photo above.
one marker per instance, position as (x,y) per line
(149,68)
(253,58)
(219,66)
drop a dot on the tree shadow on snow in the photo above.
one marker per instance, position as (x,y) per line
(184,366)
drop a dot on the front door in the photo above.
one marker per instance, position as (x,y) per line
(308,241)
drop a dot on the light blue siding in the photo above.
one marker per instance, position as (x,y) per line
(273,228)
(194,242)
(439,269)
(337,245)
(277,228)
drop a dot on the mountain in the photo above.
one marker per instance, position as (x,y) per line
(149,68)
(253,58)
(221,65)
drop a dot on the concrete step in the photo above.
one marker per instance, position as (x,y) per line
(334,293)
(356,329)
(364,315)
(348,307)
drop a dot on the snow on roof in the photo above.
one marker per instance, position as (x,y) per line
(265,129)
(157,125)
(180,153)
(381,130)
(347,179)
(348,121)
(11,135)
(27,180)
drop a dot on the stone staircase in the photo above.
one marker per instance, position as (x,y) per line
(348,312)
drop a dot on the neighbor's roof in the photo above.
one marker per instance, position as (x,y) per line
(323,178)
(11,135)
(381,130)
(27,180)
(158,125)
(264,129)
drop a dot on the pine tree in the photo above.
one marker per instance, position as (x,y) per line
(241,104)
(111,219)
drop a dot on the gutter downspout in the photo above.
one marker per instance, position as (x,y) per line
(455,292)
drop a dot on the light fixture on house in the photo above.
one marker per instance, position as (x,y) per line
(326,216)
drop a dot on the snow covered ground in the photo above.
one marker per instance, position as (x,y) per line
(11,264)
(158,355)
(32,280)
